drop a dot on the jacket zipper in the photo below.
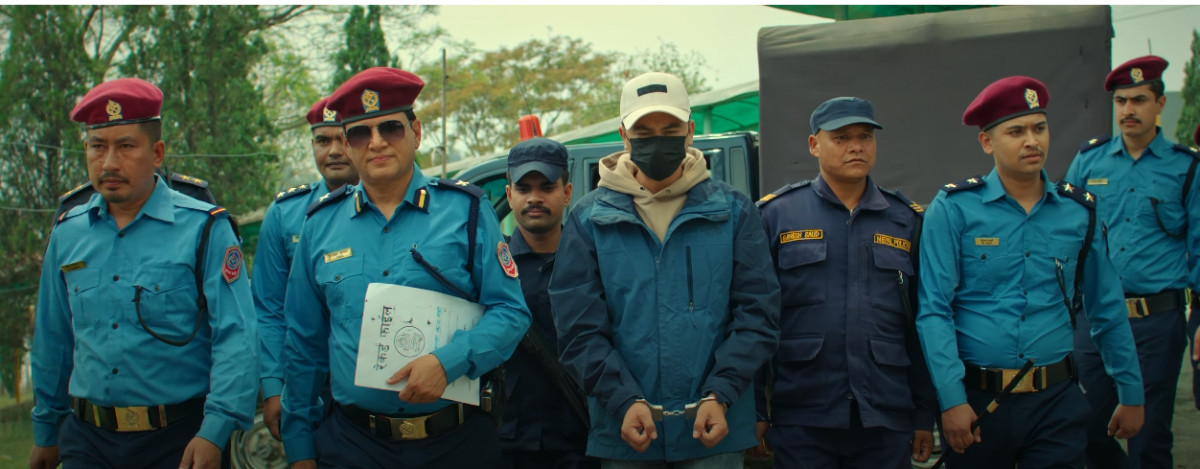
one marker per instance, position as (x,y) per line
(691,304)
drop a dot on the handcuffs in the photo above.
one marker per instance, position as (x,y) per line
(689,411)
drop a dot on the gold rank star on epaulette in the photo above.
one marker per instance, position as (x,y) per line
(968,183)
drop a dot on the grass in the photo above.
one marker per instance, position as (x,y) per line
(16,437)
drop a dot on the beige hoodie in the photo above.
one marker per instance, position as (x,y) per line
(656,210)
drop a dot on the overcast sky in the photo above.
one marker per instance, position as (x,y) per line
(727,35)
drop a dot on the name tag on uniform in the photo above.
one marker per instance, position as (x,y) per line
(74,266)
(295,239)
(987,241)
(337,255)
(1098,182)
(898,243)
(801,235)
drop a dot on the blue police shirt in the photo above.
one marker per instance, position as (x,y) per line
(537,415)
(1148,259)
(88,342)
(346,244)
(990,294)
(277,241)
(847,333)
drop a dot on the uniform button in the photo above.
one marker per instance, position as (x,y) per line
(386,229)
(983,256)
(120,234)
(1026,253)
(1130,189)
(114,371)
(850,396)
(1126,219)
(1022,317)
(1122,249)
(1022,292)
(1020,355)
(337,277)
(114,325)
(156,288)
(385,273)
(116,277)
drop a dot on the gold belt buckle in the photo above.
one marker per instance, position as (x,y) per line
(132,419)
(1132,305)
(412,428)
(1027,382)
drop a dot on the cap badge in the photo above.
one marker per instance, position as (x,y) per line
(1136,74)
(329,116)
(370,101)
(1031,98)
(114,110)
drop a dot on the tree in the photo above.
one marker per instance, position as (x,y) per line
(366,45)
(1189,116)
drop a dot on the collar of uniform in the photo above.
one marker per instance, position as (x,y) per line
(418,181)
(872,199)
(517,245)
(158,205)
(418,189)
(993,188)
(319,188)
(1158,147)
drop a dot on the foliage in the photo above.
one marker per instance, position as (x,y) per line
(365,47)
(1189,117)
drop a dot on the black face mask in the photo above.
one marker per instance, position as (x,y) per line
(658,157)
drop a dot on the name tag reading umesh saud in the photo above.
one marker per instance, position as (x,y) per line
(801,235)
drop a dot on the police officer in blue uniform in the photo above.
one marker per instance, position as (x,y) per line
(545,425)
(849,387)
(395,227)
(277,240)
(1004,258)
(1194,318)
(144,319)
(1142,182)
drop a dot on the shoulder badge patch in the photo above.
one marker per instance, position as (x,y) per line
(781,191)
(1095,142)
(231,267)
(506,260)
(461,185)
(327,199)
(968,183)
(1188,150)
(189,180)
(1080,194)
(293,191)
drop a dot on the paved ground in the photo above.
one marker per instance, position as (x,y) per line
(1187,422)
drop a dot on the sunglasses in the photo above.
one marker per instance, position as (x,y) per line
(360,135)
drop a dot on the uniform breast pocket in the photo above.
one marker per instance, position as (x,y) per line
(289,246)
(82,295)
(449,262)
(884,279)
(343,282)
(1164,212)
(985,262)
(802,272)
(166,299)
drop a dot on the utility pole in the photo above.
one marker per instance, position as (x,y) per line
(445,154)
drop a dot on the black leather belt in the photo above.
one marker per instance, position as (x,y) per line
(1142,306)
(1039,377)
(409,428)
(136,418)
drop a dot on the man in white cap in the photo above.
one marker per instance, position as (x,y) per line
(664,297)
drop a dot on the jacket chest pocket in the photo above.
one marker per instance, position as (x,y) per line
(165,299)
(803,272)
(341,281)
(83,296)
(709,274)
(891,270)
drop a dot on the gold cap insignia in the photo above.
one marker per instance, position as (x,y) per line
(329,116)
(114,110)
(1136,74)
(1031,98)
(370,101)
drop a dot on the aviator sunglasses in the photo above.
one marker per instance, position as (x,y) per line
(360,135)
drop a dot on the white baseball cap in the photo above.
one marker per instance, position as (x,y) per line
(654,92)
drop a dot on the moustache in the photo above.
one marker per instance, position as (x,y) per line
(535,207)
(110,176)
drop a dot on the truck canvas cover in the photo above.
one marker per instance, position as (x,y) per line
(921,72)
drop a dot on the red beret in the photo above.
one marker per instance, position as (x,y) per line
(1139,71)
(374,92)
(321,116)
(1005,99)
(118,102)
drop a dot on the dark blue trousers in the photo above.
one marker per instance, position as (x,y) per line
(1192,324)
(549,459)
(84,446)
(472,445)
(1046,429)
(797,446)
(1160,345)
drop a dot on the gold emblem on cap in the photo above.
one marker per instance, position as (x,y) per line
(329,116)
(370,101)
(114,110)
(1031,98)
(1136,74)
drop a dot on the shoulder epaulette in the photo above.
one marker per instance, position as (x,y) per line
(1093,143)
(1080,194)
(1189,150)
(903,198)
(461,185)
(71,199)
(66,195)
(968,183)
(328,199)
(176,177)
(293,191)
(782,190)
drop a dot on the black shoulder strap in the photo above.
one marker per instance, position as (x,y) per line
(1088,200)
(1095,142)
(327,199)
(781,191)
(1191,174)
(191,187)
(968,183)
(473,216)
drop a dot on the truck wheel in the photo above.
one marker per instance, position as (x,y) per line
(256,448)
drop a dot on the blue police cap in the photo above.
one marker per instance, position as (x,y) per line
(840,112)
(537,154)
